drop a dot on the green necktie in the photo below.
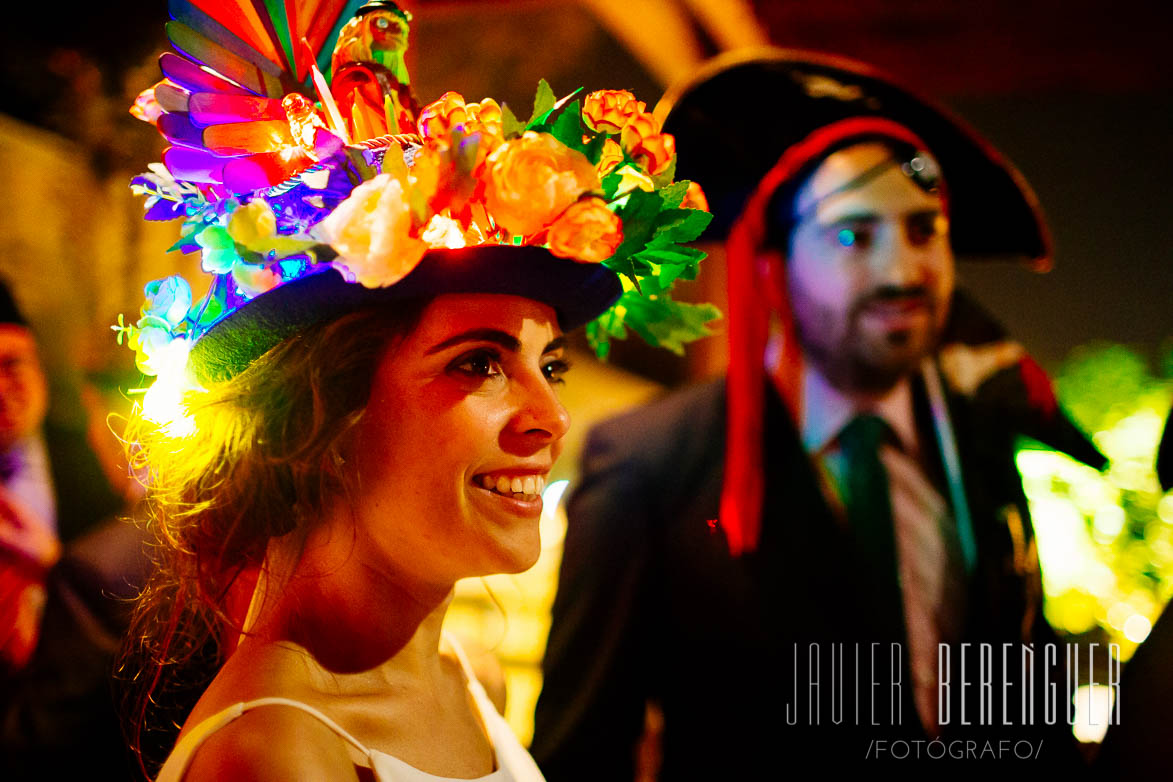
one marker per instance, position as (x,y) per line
(869,513)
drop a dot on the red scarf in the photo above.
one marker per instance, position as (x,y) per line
(748,329)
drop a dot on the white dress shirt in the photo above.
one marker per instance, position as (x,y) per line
(31,481)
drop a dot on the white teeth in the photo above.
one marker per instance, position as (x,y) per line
(529,488)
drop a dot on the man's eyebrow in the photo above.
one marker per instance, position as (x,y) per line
(507,341)
(555,344)
(928,211)
(850,217)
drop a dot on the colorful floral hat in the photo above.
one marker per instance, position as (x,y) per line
(311,182)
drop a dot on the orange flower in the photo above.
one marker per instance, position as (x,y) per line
(439,118)
(695,198)
(609,111)
(587,231)
(444,181)
(612,156)
(530,180)
(647,145)
(372,232)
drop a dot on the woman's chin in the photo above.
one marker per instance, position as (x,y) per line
(518,553)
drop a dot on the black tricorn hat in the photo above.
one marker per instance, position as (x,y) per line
(735,117)
(576,291)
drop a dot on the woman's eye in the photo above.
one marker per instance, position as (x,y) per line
(482,363)
(556,370)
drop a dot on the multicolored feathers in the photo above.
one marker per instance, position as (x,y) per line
(248,103)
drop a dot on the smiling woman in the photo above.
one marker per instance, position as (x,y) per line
(461,430)
(363,408)
(314,516)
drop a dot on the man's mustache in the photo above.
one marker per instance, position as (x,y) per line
(894,294)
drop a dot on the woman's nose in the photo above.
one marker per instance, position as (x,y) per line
(540,414)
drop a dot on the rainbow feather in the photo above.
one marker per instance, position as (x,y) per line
(221,96)
(210,108)
(195,165)
(248,138)
(194,78)
(171,98)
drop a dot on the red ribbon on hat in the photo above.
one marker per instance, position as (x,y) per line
(748,329)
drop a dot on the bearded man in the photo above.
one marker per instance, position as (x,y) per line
(827,553)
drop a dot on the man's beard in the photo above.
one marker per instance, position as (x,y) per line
(869,363)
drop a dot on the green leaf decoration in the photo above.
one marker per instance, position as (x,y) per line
(215,237)
(212,309)
(568,128)
(511,126)
(594,149)
(544,102)
(183,245)
(669,324)
(685,323)
(681,225)
(639,215)
(606,327)
(611,183)
(672,195)
(665,177)
(669,265)
(599,342)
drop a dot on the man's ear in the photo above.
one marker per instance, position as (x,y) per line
(771,271)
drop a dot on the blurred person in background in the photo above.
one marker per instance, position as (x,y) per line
(67,568)
(1139,745)
(752,554)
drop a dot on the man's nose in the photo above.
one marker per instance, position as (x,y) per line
(901,263)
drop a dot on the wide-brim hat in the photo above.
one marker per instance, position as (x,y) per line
(309,199)
(736,116)
(577,292)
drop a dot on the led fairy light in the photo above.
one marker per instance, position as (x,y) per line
(163,403)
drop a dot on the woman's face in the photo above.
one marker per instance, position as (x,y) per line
(462,428)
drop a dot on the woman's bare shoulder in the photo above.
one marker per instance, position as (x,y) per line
(273,742)
(270,741)
(258,671)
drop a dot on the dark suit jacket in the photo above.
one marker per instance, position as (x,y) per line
(650,605)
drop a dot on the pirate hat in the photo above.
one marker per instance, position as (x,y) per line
(736,116)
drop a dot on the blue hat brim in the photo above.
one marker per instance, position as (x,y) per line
(577,292)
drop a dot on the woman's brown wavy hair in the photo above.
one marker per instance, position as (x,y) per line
(266,456)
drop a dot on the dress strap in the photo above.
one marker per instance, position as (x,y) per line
(180,757)
(509,753)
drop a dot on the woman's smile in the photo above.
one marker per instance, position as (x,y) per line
(518,490)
